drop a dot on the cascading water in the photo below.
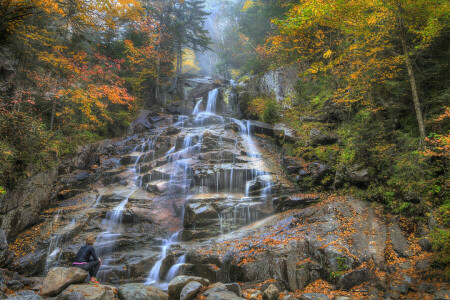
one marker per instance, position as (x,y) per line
(207,163)
(211,105)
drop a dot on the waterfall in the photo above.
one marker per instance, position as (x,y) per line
(197,107)
(211,105)
(153,277)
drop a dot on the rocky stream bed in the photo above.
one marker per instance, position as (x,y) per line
(203,206)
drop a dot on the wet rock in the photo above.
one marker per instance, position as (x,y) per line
(256,295)
(289,202)
(6,255)
(190,290)
(271,293)
(14,285)
(158,187)
(441,295)
(354,278)
(171,131)
(292,164)
(140,291)
(179,282)
(319,138)
(60,278)
(27,297)
(314,296)
(218,79)
(261,128)
(199,214)
(31,263)
(91,291)
(427,288)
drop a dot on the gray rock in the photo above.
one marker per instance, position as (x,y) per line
(22,206)
(91,291)
(354,278)
(288,297)
(427,288)
(216,287)
(319,138)
(199,214)
(14,285)
(190,290)
(140,291)
(223,295)
(441,295)
(234,288)
(342,298)
(32,263)
(27,297)
(3,295)
(178,283)
(423,265)
(399,242)
(401,287)
(425,244)
(271,293)
(58,279)
(314,296)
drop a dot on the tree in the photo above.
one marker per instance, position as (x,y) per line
(188,31)
(362,44)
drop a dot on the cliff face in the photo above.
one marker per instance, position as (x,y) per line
(21,207)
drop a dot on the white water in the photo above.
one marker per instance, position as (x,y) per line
(197,107)
(211,105)
(153,277)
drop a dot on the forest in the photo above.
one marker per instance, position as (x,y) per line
(369,106)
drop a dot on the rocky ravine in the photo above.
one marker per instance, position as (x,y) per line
(196,195)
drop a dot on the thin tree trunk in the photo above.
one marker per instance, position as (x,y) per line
(412,79)
(178,70)
(52,118)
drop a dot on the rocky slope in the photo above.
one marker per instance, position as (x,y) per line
(210,196)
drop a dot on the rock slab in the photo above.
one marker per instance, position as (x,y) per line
(140,291)
(58,279)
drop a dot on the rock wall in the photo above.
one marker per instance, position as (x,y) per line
(280,82)
(22,206)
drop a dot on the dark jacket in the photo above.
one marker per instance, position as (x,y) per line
(85,253)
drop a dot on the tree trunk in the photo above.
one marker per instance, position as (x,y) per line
(412,79)
(52,118)
(178,70)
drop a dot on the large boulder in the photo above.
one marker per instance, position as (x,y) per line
(190,290)
(58,279)
(320,138)
(140,291)
(90,291)
(223,295)
(178,283)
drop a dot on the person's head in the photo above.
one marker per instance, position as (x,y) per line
(90,240)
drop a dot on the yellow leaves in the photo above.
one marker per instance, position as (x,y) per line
(247,4)
(190,64)
(328,54)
